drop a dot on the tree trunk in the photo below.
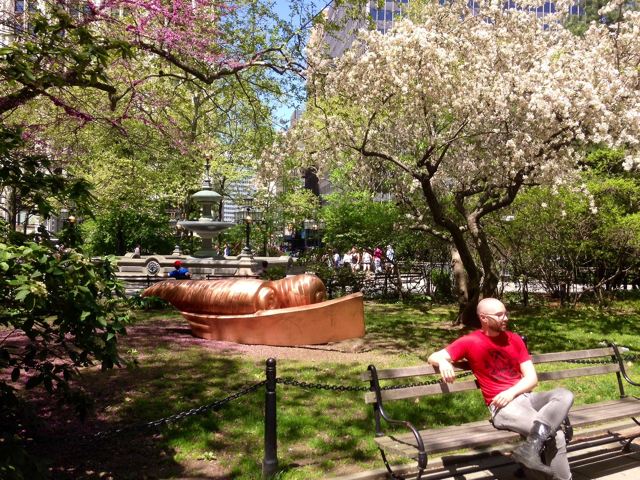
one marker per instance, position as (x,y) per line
(12,207)
(121,248)
(467,293)
(525,291)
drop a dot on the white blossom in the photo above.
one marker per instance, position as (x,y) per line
(497,102)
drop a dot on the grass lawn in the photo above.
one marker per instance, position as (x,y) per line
(321,433)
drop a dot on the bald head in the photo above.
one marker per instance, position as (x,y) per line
(493,316)
(489,305)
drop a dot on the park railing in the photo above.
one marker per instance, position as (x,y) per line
(270,459)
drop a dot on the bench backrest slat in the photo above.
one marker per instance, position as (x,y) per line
(573,355)
(578,372)
(405,372)
(415,392)
(464,385)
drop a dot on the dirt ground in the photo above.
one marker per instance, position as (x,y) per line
(177,333)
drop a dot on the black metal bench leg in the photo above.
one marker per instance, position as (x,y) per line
(386,464)
(393,475)
(626,446)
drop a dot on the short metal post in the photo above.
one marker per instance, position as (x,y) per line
(270,462)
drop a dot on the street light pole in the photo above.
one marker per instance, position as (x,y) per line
(247,221)
(248,215)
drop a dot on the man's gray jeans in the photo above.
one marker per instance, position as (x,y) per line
(549,408)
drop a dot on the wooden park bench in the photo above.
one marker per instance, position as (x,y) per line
(475,446)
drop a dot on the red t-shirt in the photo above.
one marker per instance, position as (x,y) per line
(495,361)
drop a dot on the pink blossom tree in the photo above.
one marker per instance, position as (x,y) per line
(60,47)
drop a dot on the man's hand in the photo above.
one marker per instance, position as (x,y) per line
(442,360)
(446,371)
(503,398)
(527,383)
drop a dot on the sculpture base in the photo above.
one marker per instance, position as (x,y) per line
(324,322)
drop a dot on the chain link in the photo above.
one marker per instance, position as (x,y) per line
(350,388)
(587,361)
(605,361)
(321,386)
(177,416)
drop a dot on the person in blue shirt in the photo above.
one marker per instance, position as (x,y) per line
(180,272)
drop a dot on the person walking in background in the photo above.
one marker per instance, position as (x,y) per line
(366,261)
(391,255)
(346,259)
(355,259)
(377,259)
(337,259)
(180,272)
(500,361)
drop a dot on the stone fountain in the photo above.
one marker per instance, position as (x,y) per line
(204,263)
(206,227)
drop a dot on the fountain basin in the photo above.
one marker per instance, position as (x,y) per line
(204,227)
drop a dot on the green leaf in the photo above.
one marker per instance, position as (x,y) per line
(29,75)
(22,294)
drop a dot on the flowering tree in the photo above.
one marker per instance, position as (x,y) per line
(459,112)
(166,73)
(49,51)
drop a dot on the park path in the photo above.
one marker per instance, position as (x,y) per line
(176,332)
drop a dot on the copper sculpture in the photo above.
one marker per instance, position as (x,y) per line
(290,311)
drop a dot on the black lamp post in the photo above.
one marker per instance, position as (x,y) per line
(247,232)
(247,215)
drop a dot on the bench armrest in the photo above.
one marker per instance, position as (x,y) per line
(620,360)
(379,410)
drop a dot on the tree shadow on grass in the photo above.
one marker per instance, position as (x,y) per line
(129,398)
(561,329)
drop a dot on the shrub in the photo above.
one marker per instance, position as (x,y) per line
(442,284)
(67,311)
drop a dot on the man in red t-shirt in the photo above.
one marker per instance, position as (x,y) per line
(502,365)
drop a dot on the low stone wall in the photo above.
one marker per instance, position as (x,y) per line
(200,268)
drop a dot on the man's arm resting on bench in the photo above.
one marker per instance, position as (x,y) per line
(442,360)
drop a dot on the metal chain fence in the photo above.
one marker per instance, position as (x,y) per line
(217,404)
(604,361)
(351,388)
(213,406)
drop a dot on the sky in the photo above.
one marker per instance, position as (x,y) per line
(282,8)
(284,111)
